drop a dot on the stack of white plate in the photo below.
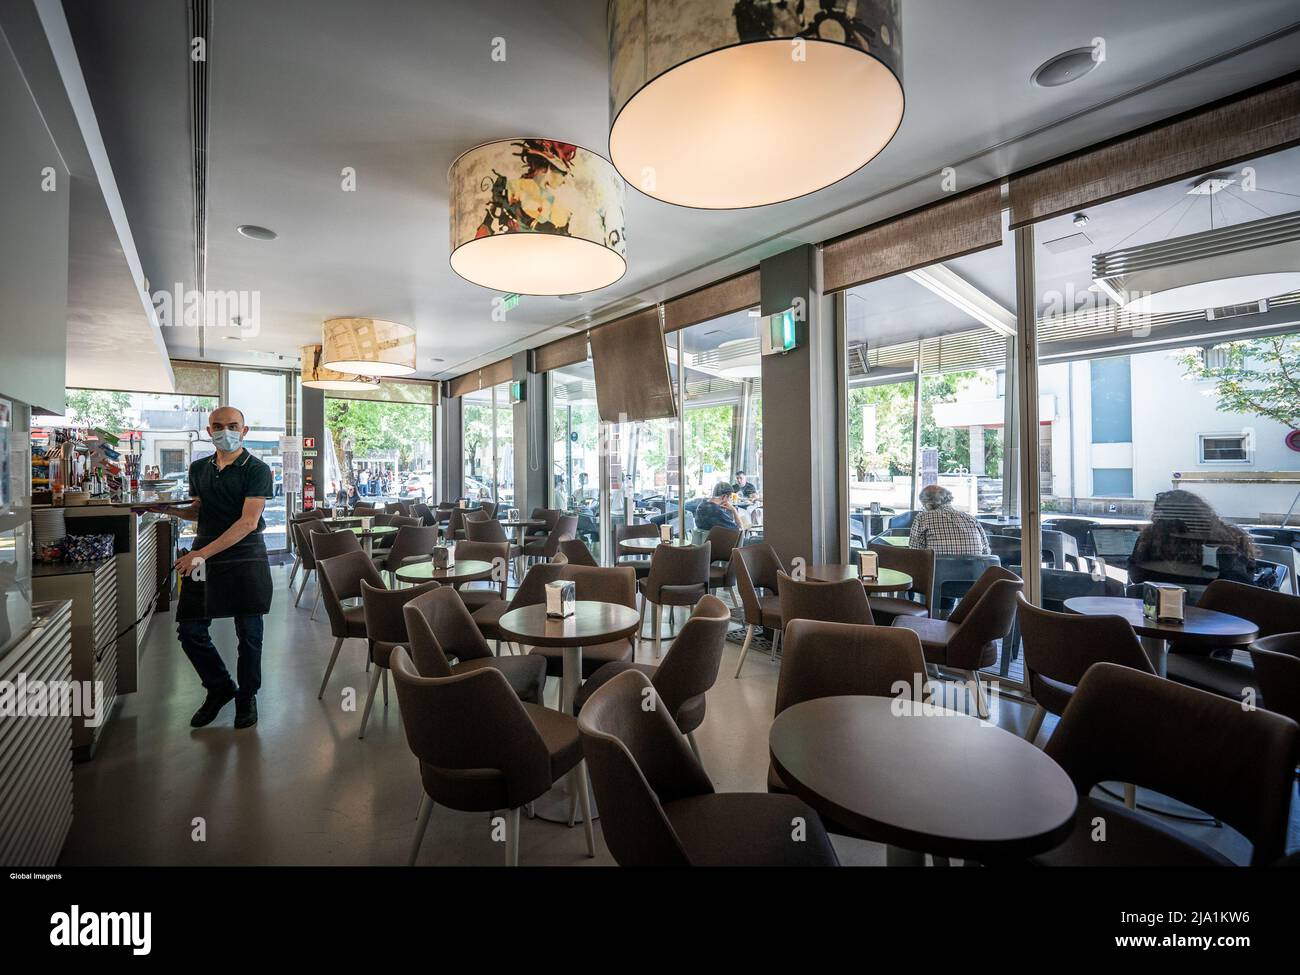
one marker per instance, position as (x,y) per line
(48,526)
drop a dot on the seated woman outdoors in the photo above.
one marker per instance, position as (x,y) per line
(941,527)
(717,510)
(1188,542)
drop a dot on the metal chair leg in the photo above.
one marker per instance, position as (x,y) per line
(512,838)
(329,668)
(370,700)
(584,798)
(302,588)
(293,571)
(316,605)
(1035,724)
(421,824)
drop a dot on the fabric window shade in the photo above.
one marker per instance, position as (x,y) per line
(712,301)
(1228,131)
(630,361)
(491,375)
(950,228)
(562,352)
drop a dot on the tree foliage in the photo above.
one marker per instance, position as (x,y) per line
(363,428)
(1259,377)
(106,409)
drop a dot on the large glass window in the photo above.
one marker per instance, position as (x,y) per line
(383,448)
(487,444)
(575,444)
(929,357)
(1173,415)
(261,397)
(723,421)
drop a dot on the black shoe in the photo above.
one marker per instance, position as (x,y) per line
(212,705)
(246,712)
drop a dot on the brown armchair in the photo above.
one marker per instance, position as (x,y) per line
(679,576)
(386,630)
(326,545)
(1059,649)
(302,535)
(577,552)
(1198,748)
(722,574)
(657,805)
(917,563)
(757,568)
(967,639)
(566,527)
(440,629)
(831,602)
(639,560)
(688,671)
(482,749)
(412,543)
(1277,671)
(341,577)
(606,585)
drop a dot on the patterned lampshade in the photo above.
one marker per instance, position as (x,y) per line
(536,217)
(318,377)
(722,104)
(368,346)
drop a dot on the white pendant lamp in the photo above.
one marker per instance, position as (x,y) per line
(368,347)
(317,376)
(722,104)
(536,217)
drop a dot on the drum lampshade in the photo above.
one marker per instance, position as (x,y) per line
(318,377)
(368,347)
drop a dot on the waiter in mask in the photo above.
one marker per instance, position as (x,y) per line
(225,573)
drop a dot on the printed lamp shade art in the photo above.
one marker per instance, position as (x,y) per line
(723,104)
(368,346)
(318,377)
(537,217)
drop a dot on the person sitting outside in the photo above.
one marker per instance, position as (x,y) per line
(1187,542)
(743,487)
(944,529)
(717,510)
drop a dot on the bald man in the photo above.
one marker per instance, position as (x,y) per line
(229,490)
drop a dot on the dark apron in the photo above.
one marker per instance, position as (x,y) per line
(237,582)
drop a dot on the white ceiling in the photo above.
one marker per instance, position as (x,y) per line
(301,89)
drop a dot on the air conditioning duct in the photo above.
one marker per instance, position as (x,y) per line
(1214,269)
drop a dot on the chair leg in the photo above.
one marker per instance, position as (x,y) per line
(305,576)
(384,680)
(293,571)
(640,620)
(981,703)
(735,598)
(370,700)
(776,644)
(1130,795)
(421,824)
(329,668)
(316,605)
(695,747)
(658,622)
(512,838)
(1035,724)
(584,797)
(744,650)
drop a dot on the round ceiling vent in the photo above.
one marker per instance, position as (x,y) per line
(253,232)
(1064,68)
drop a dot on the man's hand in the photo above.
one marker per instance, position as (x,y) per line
(185,564)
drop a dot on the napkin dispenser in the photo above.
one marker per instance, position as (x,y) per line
(561,599)
(869,565)
(463,502)
(1163,601)
(665,533)
(366,522)
(513,514)
(441,556)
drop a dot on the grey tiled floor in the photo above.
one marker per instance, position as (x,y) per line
(300,788)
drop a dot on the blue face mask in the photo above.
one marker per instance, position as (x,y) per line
(227,441)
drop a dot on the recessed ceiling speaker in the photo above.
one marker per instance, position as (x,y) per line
(1213,269)
(1064,68)
(724,104)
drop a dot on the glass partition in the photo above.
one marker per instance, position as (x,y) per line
(575,443)
(1170,397)
(478,435)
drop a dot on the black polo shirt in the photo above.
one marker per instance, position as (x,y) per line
(222,492)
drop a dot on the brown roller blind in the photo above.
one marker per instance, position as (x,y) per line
(563,352)
(712,301)
(950,228)
(497,372)
(630,362)
(1228,131)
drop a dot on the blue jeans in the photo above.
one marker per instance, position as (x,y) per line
(197,645)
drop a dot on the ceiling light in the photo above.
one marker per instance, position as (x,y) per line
(368,347)
(1213,269)
(536,217)
(1080,220)
(253,232)
(716,110)
(317,376)
(1064,68)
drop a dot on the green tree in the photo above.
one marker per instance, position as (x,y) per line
(101,408)
(708,443)
(360,428)
(1259,377)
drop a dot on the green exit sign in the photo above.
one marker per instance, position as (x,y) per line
(509,302)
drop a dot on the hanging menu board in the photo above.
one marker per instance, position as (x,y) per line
(291,458)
